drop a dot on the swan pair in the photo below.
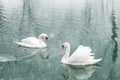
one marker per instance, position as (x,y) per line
(81,56)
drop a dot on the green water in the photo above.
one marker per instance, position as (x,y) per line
(93,23)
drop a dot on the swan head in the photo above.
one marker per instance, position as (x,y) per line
(43,35)
(65,45)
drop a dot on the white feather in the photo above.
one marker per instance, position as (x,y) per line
(32,42)
(81,56)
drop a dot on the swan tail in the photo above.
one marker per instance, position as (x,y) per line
(20,43)
(92,54)
(96,60)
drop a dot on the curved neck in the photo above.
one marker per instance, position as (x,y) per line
(67,52)
(40,40)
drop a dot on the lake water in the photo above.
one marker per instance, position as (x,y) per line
(93,23)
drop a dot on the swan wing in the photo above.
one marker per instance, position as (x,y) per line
(80,55)
(30,40)
(92,61)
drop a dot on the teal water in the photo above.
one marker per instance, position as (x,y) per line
(93,23)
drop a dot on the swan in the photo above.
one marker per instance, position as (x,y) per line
(33,42)
(82,56)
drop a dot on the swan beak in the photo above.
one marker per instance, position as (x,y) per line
(46,39)
(62,47)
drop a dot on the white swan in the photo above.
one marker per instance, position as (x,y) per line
(33,42)
(81,56)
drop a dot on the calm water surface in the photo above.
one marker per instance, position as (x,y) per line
(93,23)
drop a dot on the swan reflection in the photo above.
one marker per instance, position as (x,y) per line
(79,73)
(24,54)
(33,52)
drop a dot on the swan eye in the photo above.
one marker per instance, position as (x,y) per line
(46,38)
(62,47)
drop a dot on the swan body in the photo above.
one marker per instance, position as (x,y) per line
(81,56)
(34,42)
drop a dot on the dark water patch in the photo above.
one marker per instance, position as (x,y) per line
(115,49)
(114,36)
(88,14)
(3,19)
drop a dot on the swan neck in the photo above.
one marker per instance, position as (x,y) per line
(67,52)
(40,39)
(41,42)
